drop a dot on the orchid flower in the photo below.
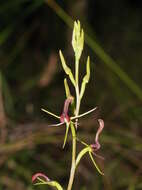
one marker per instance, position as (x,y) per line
(44,180)
(65,118)
(91,149)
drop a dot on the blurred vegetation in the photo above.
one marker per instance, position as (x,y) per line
(31,77)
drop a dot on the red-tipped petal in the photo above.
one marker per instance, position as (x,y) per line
(35,176)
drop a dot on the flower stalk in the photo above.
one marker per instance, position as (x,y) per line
(67,120)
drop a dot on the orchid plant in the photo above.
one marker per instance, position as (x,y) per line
(71,122)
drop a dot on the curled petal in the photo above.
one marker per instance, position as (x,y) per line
(35,176)
(64,116)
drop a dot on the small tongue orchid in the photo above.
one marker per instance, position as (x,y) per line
(65,118)
(91,149)
(42,179)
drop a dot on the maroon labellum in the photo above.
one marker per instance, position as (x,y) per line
(37,175)
(64,118)
(96,146)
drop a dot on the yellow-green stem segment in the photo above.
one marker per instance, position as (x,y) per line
(73,165)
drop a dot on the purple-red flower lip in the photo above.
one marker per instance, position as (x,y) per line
(64,118)
(35,176)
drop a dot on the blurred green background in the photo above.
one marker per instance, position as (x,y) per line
(31,77)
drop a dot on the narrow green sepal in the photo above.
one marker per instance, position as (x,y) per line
(50,113)
(96,166)
(86,78)
(81,154)
(82,142)
(66,68)
(50,183)
(66,135)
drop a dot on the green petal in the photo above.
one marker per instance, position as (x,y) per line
(66,134)
(96,166)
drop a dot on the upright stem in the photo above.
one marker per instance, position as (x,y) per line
(77,87)
(73,165)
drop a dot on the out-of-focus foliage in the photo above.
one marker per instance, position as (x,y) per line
(31,77)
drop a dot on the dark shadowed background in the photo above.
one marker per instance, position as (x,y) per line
(31,78)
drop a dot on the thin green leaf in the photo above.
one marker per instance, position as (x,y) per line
(96,166)
(66,68)
(86,78)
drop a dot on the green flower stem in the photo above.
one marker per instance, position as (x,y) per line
(73,165)
(76,71)
(77,89)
